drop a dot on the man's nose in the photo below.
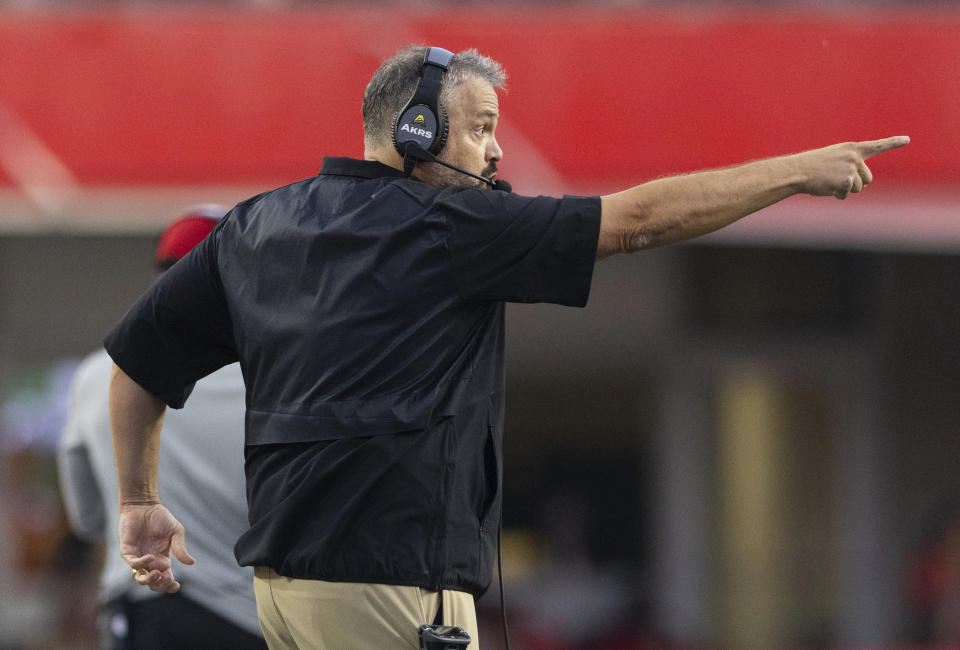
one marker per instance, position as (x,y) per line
(494,153)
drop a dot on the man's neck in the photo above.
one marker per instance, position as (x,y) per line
(388,156)
(384,156)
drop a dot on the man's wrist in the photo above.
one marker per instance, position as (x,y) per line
(145,500)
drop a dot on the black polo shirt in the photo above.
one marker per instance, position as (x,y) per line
(366,311)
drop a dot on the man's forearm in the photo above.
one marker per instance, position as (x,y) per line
(135,418)
(674,209)
(670,210)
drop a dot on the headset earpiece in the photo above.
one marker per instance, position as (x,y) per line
(422,120)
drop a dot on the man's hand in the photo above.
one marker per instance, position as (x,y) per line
(840,169)
(148,534)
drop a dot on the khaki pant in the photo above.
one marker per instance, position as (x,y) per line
(321,615)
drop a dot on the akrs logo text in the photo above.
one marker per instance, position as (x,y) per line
(423,133)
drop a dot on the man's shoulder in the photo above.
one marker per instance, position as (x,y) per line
(282,193)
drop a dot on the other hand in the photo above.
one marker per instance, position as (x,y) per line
(148,534)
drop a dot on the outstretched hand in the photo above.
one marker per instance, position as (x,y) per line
(148,534)
(841,169)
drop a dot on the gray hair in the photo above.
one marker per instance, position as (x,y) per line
(395,80)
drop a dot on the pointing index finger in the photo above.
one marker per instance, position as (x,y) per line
(873,147)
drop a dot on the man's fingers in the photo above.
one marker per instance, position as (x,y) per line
(161,582)
(842,191)
(179,548)
(156,580)
(873,147)
(865,174)
(857,184)
(166,583)
(141,562)
(145,577)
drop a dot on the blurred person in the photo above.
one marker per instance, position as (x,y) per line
(202,464)
(366,308)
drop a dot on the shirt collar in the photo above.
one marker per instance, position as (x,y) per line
(339,166)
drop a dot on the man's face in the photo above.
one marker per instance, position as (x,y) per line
(473,111)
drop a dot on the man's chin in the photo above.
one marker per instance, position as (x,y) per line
(451,178)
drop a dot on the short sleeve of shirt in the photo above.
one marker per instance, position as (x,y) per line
(179,330)
(522,249)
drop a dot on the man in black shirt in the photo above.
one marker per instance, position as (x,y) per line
(365,306)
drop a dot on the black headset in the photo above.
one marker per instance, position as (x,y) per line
(422,120)
(420,127)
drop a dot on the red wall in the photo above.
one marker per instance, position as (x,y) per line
(599,98)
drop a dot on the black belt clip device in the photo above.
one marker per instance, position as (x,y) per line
(443,637)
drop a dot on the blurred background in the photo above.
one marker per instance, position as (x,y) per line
(750,441)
